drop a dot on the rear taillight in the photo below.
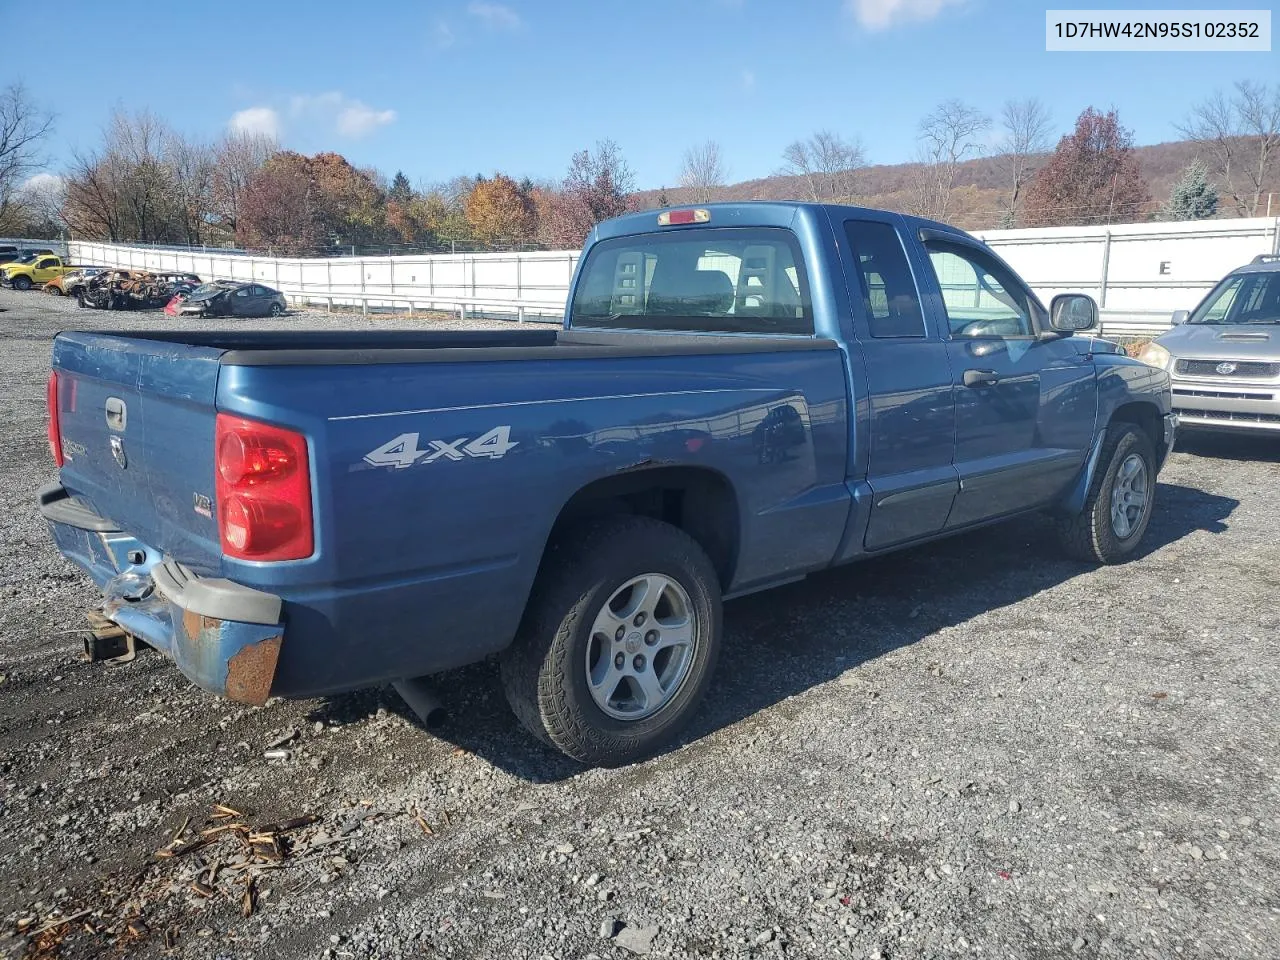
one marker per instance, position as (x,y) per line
(55,427)
(263,486)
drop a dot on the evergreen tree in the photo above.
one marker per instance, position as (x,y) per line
(1193,197)
(400,190)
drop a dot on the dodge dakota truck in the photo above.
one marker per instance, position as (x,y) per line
(741,394)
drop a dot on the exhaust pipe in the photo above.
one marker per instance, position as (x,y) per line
(422,700)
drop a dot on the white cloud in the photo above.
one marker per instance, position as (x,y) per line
(263,121)
(345,115)
(496,16)
(748,80)
(443,35)
(358,120)
(882,14)
(42,183)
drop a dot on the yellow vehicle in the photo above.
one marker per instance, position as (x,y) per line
(24,275)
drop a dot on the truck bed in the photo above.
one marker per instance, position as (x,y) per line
(256,348)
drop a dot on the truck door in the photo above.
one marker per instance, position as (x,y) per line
(911,432)
(45,270)
(1025,406)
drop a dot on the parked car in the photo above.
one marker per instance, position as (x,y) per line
(71,284)
(1224,355)
(229,299)
(11,255)
(303,513)
(37,269)
(175,303)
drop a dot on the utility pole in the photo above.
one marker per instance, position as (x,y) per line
(1112,205)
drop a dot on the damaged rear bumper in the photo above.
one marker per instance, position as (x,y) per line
(224,636)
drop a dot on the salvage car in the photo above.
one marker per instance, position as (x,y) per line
(303,513)
(230,299)
(1224,356)
(70,284)
(120,289)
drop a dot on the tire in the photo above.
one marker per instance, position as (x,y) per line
(22,283)
(1091,535)
(275,310)
(545,671)
(53,291)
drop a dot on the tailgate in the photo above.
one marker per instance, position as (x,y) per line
(137,419)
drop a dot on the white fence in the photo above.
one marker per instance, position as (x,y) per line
(531,284)
(1138,273)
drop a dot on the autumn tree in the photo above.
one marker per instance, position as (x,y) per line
(498,209)
(1025,126)
(948,137)
(1092,177)
(1240,131)
(702,173)
(596,188)
(279,209)
(23,128)
(825,164)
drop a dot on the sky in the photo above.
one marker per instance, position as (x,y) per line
(438,88)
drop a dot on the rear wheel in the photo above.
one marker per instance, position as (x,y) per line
(618,642)
(275,310)
(1118,508)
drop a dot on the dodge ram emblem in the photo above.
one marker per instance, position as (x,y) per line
(117,451)
(1226,369)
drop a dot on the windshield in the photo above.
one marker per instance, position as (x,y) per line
(729,280)
(1243,298)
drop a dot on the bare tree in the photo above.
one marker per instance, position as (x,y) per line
(191,171)
(94,207)
(23,127)
(1026,128)
(825,163)
(1241,133)
(948,137)
(236,159)
(703,172)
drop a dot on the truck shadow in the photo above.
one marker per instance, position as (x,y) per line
(827,624)
(1230,446)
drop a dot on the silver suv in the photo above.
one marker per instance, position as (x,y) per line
(1224,356)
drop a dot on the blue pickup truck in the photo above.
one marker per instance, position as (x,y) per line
(740,394)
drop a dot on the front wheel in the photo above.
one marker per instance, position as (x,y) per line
(1118,508)
(22,283)
(619,640)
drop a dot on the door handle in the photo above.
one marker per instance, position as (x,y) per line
(981,378)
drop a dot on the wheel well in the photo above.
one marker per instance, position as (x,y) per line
(700,502)
(1145,416)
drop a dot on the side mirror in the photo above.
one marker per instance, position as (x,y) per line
(1072,312)
(1181,316)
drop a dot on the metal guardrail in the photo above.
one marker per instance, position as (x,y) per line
(539,311)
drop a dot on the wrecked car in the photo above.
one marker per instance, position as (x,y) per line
(133,289)
(233,299)
(70,284)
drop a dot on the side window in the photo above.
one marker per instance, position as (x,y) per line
(889,293)
(259,291)
(45,264)
(243,291)
(982,298)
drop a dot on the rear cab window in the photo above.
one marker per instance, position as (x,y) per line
(697,280)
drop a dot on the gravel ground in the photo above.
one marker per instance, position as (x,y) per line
(970,748)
